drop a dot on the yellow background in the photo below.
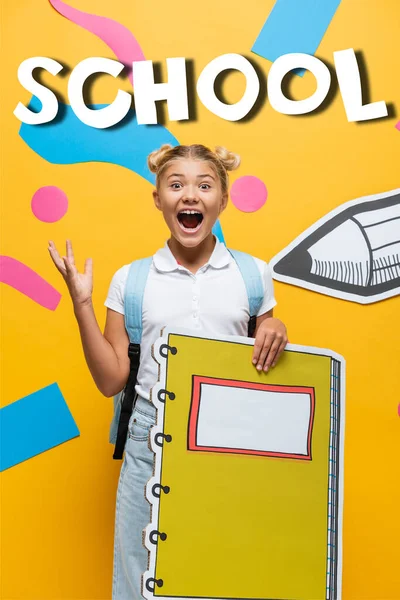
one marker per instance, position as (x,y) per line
(58,507)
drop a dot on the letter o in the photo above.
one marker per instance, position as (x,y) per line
(282,66)
(206,93)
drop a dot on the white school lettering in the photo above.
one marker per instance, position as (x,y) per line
(348,75)
(147,92)
(104,117)
(283,65)
(206,93)
(47,97)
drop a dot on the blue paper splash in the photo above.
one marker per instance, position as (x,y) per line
(67,141)
(294,26)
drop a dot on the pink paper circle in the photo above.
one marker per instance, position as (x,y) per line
(49,203)
(248,193)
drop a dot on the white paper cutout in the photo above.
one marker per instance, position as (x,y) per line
(268,421)
(352,253)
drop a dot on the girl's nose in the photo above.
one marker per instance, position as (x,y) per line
(189,194)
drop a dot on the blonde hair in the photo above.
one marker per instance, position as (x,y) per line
(222,160)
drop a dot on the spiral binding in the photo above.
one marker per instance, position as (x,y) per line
(166,436)
(157,582)
(172,349)
(153,536)
(163,393)
(165,488)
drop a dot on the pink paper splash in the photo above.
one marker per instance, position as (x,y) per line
(398,126)
(23,279)
(49,204)
(117,37)
(248,193)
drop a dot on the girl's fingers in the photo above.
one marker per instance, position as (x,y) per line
(56,258)
(70,252)
(272,354)
(278,354)
(258,346)
(70,266)
(66,263)
(54,252)
(268,346)
(88,267)
(265,350)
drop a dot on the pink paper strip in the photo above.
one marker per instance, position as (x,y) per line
(17,275)
(398,125)
(117,37)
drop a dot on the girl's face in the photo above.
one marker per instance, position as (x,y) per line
(191,199)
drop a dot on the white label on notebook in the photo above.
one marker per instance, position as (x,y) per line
(257,418)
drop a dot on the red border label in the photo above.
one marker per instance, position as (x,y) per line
(198,380)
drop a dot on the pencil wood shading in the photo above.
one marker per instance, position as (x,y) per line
(352,253)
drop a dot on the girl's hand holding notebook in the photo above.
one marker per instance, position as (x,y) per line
(270,342)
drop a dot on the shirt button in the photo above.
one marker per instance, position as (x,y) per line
(195,315)
(194,298)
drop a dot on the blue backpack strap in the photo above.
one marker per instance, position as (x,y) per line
(252,279)
(133,301)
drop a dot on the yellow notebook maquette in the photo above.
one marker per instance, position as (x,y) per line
(247,488)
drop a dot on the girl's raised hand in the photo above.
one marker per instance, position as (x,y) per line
(80,285)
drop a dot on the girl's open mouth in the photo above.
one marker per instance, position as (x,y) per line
(190,221)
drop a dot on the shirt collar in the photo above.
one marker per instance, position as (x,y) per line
(165,261)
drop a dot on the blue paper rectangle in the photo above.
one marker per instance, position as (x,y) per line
(294,26)
(34,424)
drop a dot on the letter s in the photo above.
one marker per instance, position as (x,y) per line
(47,97)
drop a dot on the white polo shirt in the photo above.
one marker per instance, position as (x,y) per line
(214,299)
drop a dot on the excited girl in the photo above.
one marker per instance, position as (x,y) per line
(193,282)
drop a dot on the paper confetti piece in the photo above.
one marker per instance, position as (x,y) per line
(49,204)
(117,37)
(248,193)
(35,424)
(294,26)
(22,278)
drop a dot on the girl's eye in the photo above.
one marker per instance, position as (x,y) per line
(205,186)
(176,186)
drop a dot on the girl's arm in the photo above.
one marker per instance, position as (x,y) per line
(262,318)
(106,355)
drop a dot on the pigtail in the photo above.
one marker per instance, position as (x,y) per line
(156,158)
(230,160)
